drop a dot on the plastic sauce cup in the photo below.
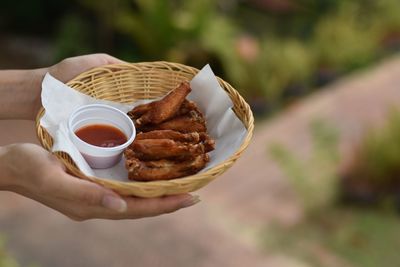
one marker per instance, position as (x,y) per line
(100,157)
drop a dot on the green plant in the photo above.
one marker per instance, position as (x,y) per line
(339,237)
(375,165)
(344,40)
(292,48)
(159,29)
(73,37)
(189,32)
(314,179)
(5,259)
(281,64)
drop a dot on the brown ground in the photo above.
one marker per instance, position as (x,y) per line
(222,230)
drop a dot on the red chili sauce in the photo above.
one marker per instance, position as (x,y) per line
(102,135)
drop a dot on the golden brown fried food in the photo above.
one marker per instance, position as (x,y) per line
(170,134)
(182,124)
(186,107)
(164,169)
(191,122)
(172,139)
(163,109)
(154,149)
(209,143)
(138,111)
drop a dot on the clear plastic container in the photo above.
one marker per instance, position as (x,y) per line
(100,157)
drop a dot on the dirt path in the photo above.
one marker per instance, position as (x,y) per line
(221,230)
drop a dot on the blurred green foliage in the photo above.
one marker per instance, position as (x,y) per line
(339,237)
(265,54)
(73,37)
(271,51)
(5,259)
(158,29)
(375,166)
(314,178)
(343,41)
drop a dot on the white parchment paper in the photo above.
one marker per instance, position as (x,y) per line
(60,101)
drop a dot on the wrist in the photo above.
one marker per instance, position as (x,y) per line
(10,169)
(36,79)
(20,93)
(5,171)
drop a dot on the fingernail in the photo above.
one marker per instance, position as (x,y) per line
(192,200)
(114,203)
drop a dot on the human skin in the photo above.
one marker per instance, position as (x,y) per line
(31,171)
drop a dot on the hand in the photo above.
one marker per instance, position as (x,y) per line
(31,171)
(69,68)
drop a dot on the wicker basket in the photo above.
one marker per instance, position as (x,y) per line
(127,83)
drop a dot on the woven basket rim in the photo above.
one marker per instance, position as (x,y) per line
(154,65)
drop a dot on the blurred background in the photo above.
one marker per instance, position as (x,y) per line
(319,184)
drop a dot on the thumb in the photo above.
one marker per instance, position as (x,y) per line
(90,194)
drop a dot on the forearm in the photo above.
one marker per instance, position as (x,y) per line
(20,93)
(17,171)
(5,173)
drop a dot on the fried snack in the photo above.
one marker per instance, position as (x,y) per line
(164,169)
(186,107)
(172,139)
(155,149)
(163,109)
(138,111)
(193,137)
(192,122)
(208,142)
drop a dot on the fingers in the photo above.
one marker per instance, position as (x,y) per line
(136,208)
(47,182)
(71,67)
(81,199)
(87,193)
(96,60)
(107,202)
(146,207)
(111,60)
